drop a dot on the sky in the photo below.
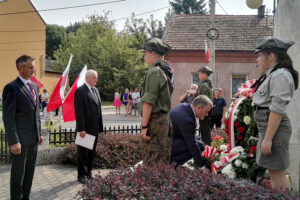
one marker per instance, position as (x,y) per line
(123,9)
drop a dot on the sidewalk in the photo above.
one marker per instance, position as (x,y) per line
(51,182)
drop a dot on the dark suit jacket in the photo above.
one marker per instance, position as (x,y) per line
(184,129)
(20,116)
(88,113)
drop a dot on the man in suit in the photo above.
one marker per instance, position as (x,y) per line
(22,124)
(88,114)
(185,144)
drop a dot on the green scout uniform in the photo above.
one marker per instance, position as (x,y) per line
(156,90)
(206,89)
(273,92)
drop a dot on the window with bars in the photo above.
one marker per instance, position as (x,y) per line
(236,82)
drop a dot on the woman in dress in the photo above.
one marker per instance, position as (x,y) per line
(273,92)
(117,101)
(125,100)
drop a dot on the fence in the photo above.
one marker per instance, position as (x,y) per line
(64,136)
(4,151)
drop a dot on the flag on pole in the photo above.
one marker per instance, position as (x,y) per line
(68,104)
(58,93)
(207,54)
(35,80)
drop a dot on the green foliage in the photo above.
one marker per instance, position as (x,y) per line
(113,151)
(116,57)
(189,6)
(54,35)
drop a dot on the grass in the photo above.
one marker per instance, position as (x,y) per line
(106,103)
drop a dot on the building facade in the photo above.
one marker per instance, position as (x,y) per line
(22,31)
(234,59)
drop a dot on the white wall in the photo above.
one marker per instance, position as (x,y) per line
(287,26)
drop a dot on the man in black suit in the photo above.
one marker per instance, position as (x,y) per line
(88,114)
(22,124)
(185,144)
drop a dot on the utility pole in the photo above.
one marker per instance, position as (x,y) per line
(212,40)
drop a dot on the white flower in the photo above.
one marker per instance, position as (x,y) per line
(247,120)
(238,162)
(227,115)
(229,171)
(223,147)
(237,149)
(252,104)
(245,165)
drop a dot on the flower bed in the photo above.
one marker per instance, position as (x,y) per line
(163,182)
(113,151)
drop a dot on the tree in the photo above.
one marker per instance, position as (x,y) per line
(189,6)
(72,28)
(114,56)
(155,27)
(54,35)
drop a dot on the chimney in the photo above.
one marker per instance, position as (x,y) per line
(261,11)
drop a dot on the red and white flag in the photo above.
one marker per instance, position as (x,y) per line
(58,93)
(207,54)
(35,80)
(68,104)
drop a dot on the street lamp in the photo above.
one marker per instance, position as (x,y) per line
(254,4)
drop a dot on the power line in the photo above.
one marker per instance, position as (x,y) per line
(62,8)
(222,7)
(111,20)
(143,13)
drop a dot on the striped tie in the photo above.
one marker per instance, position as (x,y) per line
(31,90)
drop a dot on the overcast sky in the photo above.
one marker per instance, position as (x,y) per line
(125,8)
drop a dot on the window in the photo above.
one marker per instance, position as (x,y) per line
(236,83)
(195,78)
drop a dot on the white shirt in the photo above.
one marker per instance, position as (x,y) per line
(25,82)
(136,95)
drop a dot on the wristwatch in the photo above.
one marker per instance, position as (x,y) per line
(144,127)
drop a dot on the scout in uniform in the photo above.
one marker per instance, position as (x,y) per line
(206,89)
(273,91)
(156,103)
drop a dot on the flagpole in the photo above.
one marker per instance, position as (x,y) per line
(212,41)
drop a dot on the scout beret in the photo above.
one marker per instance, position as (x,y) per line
(273,45)
(206,70)
(156,45)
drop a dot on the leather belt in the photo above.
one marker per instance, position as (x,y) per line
(260,108)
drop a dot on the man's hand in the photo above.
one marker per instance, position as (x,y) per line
(266,146)
(205,170)
(82,134)
(41,140)
(15,148)
(144,135)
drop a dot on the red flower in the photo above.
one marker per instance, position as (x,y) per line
(253,149)
(226,122)
(239,137)
(242,129)
(236,124)
(226,130)
(100,198)
(216,138)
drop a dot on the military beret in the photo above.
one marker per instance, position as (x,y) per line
(273,45)
(156,45)
(206,70)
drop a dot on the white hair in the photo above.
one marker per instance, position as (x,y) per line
(90,72)
(195,85)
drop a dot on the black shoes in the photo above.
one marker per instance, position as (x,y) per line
(82,180)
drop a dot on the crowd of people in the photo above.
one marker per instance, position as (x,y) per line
(168,135)
(130,99)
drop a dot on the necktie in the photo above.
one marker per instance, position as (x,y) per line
(94,94)
(31,91)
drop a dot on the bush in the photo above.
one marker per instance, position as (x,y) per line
(163,182)
(113,151)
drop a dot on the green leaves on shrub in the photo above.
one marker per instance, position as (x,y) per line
(113,151)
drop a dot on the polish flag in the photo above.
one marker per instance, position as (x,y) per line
(68,104)
(207,54)
(58,93)
(35,80)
